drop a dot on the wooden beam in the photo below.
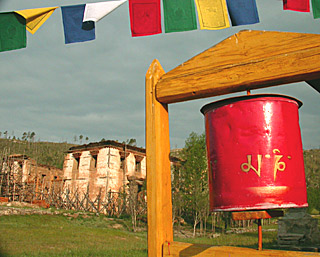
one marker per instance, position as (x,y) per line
(315,84)
(179,249)
(247,60)
(158,166)
(255,215)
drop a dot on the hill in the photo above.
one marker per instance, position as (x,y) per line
(53,154)
(46,153)
(312,168)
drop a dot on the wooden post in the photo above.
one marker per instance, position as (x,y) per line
(257,215)
(159,201)
(248,60)
(108,175)
(259,235)
(87,198)
(99,200)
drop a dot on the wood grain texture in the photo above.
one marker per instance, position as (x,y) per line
(254,215)
(245,61)
(158,166)
(179,249)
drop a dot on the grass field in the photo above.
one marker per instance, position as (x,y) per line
(57,235)
(89,235)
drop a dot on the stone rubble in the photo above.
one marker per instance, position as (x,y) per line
(297,227)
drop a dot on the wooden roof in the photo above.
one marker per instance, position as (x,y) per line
(103,144)
(247,60)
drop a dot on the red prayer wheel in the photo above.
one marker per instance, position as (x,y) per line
(255,155)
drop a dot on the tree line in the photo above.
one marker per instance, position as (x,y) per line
(190,191)
(190,194)
(26,136)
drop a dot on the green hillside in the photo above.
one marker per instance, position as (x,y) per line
(43,152)
(53,154)
(312,168)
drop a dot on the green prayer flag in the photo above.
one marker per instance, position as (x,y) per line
(12,31)
(316,8)
(179,15)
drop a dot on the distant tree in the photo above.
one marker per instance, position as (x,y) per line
(195,180)
(24,136)
(5,134)
(80,138)
(87,138)
(32,135)
(75,138)
(131,141)
(312,171)
(103,140)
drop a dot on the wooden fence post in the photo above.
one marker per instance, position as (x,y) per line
(159,202)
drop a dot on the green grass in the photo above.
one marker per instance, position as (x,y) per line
(90,235)
(44,235)
(248,239)
(58,235)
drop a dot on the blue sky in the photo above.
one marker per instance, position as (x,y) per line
(96,88)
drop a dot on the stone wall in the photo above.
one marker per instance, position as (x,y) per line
(101,168)
(23,175)
(297,227)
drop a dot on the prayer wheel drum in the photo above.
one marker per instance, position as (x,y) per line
(255,156)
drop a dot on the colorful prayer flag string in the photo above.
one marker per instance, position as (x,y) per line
(145,17)
(296,5)
(36,17)
(213,14)
(12,31)
(74,29)
(179,15)
(243,12)
(96,11)
(316,8)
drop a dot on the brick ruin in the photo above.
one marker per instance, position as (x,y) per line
(90,171)
(100,168)
(21,177)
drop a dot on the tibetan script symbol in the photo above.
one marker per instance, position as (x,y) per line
(246,167)
(278,165)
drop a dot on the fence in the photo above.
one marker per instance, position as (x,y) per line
(129,201)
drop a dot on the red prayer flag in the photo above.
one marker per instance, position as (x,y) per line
(145,17)
(296,5)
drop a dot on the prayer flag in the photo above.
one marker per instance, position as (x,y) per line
(96,11)
(243,12)
(145,17)
(74,29)
(179,15)
(296,5)
(213,14)
(12,31)
(316,8)
(36,17)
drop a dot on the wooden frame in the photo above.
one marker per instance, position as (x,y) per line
(244,61)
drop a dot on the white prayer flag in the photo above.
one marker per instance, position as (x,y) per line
(96,11)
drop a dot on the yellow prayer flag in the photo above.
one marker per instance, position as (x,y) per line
(213,14)
(36,17)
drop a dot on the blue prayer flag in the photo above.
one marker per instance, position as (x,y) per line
(74,29)
(243,12)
